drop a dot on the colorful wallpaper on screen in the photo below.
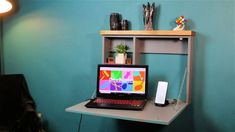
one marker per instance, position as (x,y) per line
(122,81)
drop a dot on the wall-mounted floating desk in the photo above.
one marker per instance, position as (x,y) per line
(150,114)
(141,41)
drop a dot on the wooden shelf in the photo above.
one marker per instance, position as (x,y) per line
(147,33)
(150,114)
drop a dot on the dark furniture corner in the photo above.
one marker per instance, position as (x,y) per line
(17,107)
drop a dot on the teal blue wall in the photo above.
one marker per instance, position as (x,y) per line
(50,41)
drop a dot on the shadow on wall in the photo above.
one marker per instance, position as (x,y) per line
(202,123)
(156,16)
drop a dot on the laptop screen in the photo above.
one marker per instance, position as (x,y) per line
(122,80)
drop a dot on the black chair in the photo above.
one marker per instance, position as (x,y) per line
(17,107)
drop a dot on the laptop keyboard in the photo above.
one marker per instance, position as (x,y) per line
(125,104)
(119,102)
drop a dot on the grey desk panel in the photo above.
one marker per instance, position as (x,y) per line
(150,114)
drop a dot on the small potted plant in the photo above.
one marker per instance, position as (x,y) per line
(121,53)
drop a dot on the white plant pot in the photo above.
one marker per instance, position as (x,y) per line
(120,58)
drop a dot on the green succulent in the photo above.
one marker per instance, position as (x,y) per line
(121,48)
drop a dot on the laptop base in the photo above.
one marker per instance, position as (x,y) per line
(94,104)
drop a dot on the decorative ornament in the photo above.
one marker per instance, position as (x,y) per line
(148,14)
(180,23)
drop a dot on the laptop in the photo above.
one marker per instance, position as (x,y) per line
(121,87)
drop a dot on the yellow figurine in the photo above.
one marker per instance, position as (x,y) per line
(180,23)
